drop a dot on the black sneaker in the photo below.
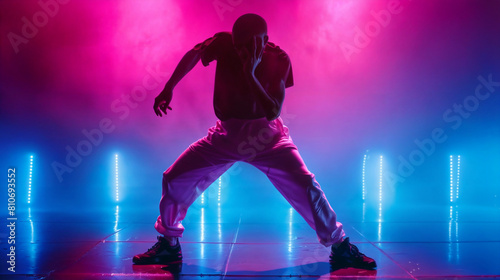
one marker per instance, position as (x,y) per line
(161,253)
(348,255)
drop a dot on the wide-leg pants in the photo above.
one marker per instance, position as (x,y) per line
(266,145)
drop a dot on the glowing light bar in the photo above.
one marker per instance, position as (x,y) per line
(363,176)
(451,178)
(29,181)
(458,177)
(454,178)
(290,233)
(116,178)
(219,191)
(202,234)
(380,189)
(219,224)
(202,224)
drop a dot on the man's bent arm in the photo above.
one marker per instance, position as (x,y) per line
(187,63)
(270,102)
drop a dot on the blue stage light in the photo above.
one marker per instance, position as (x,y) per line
(454,178)
(364,177)
(29,180)
(451,178)
(202,234)
(290,233)
(116,178)
(219,190)
(381,161)
(219,221)
(458,177)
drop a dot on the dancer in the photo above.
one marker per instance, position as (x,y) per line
(250,80)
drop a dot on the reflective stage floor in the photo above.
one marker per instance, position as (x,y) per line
(413,242)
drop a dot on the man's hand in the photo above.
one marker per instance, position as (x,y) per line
(162,101)
(251,56)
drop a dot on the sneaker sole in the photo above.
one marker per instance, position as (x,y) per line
(159,260)
(343,264)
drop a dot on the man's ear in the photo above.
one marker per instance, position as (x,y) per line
(266,38)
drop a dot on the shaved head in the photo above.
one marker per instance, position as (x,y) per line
(247,26)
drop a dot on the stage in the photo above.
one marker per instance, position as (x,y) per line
(413,242)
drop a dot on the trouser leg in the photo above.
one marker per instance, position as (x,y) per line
(182,183)
(287,171)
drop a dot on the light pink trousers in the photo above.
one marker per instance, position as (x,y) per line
(264,144)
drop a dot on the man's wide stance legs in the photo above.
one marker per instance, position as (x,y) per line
(208,158)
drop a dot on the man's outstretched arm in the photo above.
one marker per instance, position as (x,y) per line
(187,63)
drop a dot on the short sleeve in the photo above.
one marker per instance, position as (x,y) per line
(209,49)
(289,75)
(286,65)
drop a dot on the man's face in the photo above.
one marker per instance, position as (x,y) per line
(250,46)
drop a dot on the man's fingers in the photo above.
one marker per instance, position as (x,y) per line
(254,47)
(155,108)
(255,54)
(157,112)
(164,108)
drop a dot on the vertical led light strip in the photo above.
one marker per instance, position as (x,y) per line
(290,233)
(202,233)
(458,178)
(451,178)
(219,191)
(202,236)
(219,226)
(381,164)
(457,244)
(29,181)
(380,189)
(363,176)
(454,178)
(116,177)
